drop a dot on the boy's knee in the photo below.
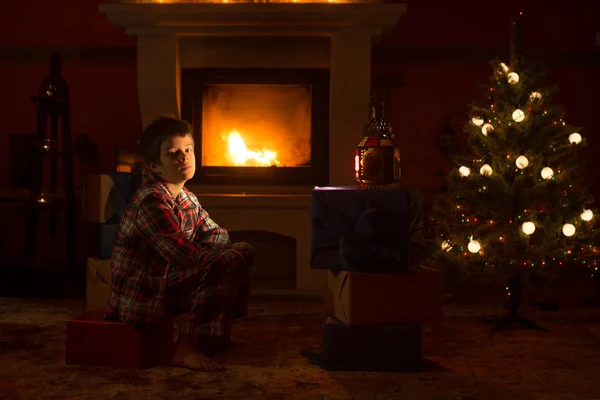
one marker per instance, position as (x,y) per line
(235,262)
(246,251)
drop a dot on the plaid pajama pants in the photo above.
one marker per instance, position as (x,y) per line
(210,294)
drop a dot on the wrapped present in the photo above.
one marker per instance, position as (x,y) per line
(366,230)
(93,341)
(98,281)
(371,348)
(102,236)
(107,195)
(357,298)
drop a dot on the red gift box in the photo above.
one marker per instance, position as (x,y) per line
(93,341)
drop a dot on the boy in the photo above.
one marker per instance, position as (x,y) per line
(170,258)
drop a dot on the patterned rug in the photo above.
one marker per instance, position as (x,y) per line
(464,360)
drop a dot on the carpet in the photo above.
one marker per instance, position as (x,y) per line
(464,360)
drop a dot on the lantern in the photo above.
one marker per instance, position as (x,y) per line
(377,159)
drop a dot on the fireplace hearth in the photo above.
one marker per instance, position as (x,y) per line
(258,126)
(277,94)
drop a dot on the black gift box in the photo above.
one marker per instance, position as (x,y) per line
(121,193)
(379,348)
(124,187)
(379,231)
(102,240)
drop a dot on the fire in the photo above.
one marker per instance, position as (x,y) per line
(241,155)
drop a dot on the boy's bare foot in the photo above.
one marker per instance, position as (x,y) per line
(187,355)
(198,362)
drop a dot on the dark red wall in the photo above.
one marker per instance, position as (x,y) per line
(104,101)
(104,95)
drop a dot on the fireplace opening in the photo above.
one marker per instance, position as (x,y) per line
(258,126)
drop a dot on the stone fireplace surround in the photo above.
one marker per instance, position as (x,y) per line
(336,36)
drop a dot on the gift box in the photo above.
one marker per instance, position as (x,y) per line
(98,281)
(371,348)
(368,299)
(102,236)
(93,341)
(105,196)
(366,230)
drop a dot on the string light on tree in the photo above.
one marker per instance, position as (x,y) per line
(568,230)
(522,162)
(574,138)
(532,165)
(587,215)
(518,115)
(485,170)
(486,128)
(528,228)
(513,78)
(464,171)
(547,173)
(474,246)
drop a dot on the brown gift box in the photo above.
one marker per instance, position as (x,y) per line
(368,299)
(96,193)
(98,284)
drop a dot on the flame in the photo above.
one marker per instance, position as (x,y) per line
(240,154)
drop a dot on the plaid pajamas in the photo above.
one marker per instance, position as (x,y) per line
(211,295)
(167,248)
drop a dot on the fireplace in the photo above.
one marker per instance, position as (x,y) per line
(265,126)
(285,85)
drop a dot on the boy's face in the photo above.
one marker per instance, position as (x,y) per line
(178,162)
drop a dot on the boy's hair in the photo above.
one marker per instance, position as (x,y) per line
(157,132)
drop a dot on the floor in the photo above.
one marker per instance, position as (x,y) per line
(463,359)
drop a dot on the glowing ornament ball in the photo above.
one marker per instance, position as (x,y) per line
(513,78)
(464,171)
(587,215)
(547,173)
(575,138)
(485,170)
(446,246)
(535,96)
(474,246)
(518,115)
(521,162)
(486,128)
(477,121)
(568,230)
(528,228)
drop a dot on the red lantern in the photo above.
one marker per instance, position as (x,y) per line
(377,159)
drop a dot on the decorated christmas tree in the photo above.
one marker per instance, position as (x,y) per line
(517,203)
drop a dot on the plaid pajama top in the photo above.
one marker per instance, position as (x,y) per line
(157,233)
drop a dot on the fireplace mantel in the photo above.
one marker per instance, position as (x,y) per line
(235,35)
(272,19)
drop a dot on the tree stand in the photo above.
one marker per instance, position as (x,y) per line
(513,320)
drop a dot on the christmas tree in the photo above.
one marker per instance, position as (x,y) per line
(517,203)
